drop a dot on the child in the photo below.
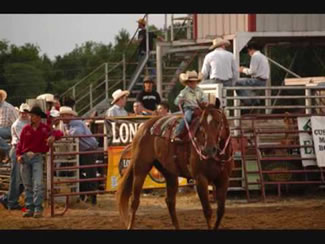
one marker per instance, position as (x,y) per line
(188,97)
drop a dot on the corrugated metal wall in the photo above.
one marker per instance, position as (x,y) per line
(211,25)
(290,22)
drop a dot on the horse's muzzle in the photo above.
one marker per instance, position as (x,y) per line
(211,152)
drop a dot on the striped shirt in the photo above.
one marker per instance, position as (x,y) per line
(8,114)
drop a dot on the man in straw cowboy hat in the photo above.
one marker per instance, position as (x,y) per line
(10,200)
(188,98)
(35,140)
(119,102)
(219,65)
(8,115)
(77,127)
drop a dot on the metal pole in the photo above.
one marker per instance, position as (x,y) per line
(165,28)
(159,68)
(51,181)
(236,102)
(281,66)
(172,28)
(106,81)
(268,92)
(124,72)
(74,97)
(188,29)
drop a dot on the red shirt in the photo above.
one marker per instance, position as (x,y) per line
(35,140)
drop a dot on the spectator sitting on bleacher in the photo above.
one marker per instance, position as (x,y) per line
(8,115)
(259,71)
(10,200)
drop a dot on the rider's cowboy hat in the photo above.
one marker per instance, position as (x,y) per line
(47,97)
(37,111)
(24,107)
(141,21)
(219,42)
(190,75)
(67,110)
(118,94)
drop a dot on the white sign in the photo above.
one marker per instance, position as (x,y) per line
(306,139)
(318,128)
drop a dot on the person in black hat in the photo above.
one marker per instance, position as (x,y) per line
(35,139)
(148,97)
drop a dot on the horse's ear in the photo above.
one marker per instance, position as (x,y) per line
(217,103)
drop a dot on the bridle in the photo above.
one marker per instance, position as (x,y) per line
(195,143)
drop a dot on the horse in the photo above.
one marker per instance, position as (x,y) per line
(207,157)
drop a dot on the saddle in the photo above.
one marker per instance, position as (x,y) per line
(166,126)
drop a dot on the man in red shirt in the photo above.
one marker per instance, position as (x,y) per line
(35,140)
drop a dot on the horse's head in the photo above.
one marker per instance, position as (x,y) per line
(211,131)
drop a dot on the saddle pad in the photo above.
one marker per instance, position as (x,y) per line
(165,126)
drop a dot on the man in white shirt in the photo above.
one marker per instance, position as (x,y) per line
(259,70)
(119,102)
(219,66)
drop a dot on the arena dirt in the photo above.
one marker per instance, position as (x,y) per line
(286,213)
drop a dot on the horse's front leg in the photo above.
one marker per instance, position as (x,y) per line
(221,194)
(202,189)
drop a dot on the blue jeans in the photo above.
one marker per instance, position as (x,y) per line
(247,93)
(32,175)
(188,117)
(5,134)
(15,186)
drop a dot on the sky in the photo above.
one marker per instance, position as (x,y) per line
(58,34)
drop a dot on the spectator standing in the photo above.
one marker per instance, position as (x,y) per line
(118,102)
(35,139)
(219,65)
(148,97)
(10,200)
(76,127)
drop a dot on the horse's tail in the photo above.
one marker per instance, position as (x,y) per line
(123,194)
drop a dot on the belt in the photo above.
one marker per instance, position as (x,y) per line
(258,78)
(30,154)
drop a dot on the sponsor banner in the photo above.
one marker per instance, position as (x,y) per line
(318,129)
(304,123)
(118,165)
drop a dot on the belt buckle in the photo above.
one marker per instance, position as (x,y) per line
(30,155)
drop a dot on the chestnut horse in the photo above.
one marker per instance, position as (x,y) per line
(208,160)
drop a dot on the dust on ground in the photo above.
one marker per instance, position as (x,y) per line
(285,213)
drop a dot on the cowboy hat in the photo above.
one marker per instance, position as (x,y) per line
(54,113)
(118,94)
(219,42)
(37,111)
(24,107)
(48,97)
(3,95)
(189,75)
(142,21)
(67,110)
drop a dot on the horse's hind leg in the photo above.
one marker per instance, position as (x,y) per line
(138,181)
(202,189)
(172,187)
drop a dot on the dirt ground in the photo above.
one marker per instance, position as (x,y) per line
(287,213)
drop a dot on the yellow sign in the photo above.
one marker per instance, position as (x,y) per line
(117,165)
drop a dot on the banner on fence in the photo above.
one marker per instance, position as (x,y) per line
(304,123)
(318,129)
(120,133)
